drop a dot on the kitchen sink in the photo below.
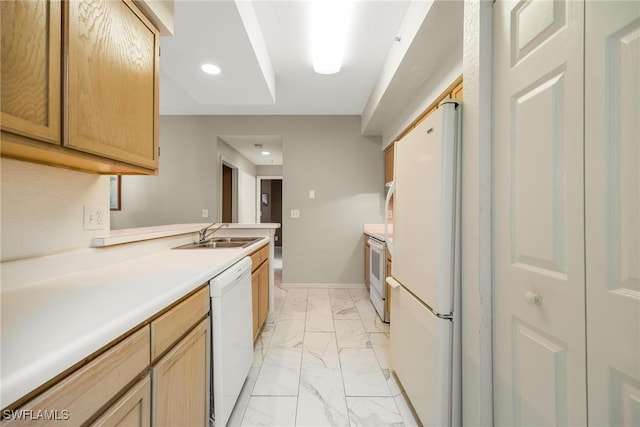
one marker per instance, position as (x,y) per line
(221,242)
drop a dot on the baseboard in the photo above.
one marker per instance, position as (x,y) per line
(323,285)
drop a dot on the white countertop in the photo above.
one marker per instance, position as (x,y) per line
(377,231)
(130,235)
(51,325)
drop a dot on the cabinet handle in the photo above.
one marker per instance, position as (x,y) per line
(532,297)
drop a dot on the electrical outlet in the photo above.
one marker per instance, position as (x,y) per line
(94,218)
(205,213)
(295,213)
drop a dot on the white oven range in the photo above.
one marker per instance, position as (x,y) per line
(377,276)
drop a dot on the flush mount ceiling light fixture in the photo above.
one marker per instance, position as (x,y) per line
(210,69)
(330,22)
(264,152)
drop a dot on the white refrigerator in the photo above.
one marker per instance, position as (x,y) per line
(425,279)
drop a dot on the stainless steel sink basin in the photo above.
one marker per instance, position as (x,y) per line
(222,242)
(234,239)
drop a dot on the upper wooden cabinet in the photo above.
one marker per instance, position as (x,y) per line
(100,113)
(388,163)
(112,85)
(31,69)
(456,93)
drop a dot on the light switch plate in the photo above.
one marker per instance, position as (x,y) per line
(295,213)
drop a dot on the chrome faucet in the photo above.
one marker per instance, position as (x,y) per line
(203,235)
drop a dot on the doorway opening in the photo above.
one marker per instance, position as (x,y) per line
(271,204)
(229,193)
(269,210)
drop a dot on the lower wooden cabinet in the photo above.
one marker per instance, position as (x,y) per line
(263,292)
(255,301)
(157,374)
(79,397)
(260,288)
(131,410)
(180,381)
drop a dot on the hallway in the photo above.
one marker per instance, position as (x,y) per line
(323,362)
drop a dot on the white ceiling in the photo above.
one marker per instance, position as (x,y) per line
(263,49)
(252,146)
(214,31)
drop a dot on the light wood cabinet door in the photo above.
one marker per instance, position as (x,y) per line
(112,76)
(263,293)
(260,288)
(388,163)
(255,302)
(30,69)
(456,93)
(181,382)
(131,410)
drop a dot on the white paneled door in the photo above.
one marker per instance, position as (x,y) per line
(538,222)
(612,215)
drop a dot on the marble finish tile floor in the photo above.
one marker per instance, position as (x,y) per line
(324,361)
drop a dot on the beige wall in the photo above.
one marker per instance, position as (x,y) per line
(269,170)
(187,182)
(42,208)
(322,153)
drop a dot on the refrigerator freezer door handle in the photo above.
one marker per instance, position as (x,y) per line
(393,282)
(392,190)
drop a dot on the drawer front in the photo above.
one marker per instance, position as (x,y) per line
(255,261)
(79,396)
(259,256)
(264,254)
(171,326)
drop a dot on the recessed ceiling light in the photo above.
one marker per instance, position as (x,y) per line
(210,69)
(265,153)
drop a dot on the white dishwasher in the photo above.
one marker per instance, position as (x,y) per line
(231,337)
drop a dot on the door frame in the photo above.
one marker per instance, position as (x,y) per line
(476,216)
(259,180)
